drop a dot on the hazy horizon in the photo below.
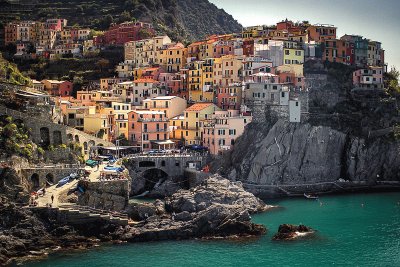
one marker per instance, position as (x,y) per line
(371,19)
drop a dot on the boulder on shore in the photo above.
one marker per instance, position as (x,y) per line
(215,208)
(291,232)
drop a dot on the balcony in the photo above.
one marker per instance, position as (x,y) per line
(190,128)
(156,130)
(153,120)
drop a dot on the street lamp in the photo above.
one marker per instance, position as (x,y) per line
(117,146)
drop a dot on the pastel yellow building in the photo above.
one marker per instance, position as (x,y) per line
(227,70)
(192,122)
(96,124)
(121,111)
(172,57)
(293,53)
(171,106)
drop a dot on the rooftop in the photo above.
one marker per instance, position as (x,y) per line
(148,112)
(199,106)
(161,98)
(145,80)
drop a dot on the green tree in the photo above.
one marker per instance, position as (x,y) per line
(125,16)
(391,80)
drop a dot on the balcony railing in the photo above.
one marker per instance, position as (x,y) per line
(156,130)
(190,128)
(153,120)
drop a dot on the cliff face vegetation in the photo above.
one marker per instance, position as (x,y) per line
(182,20)
(9,73)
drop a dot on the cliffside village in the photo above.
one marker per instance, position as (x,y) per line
(167,94)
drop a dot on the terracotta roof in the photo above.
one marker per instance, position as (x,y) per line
(145,80)
(199,106)
(151,69)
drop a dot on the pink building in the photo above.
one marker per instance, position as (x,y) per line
(56,24)
(230,97)
(223,129)
(369,78)
(119,34)
(58,88)
(149,129)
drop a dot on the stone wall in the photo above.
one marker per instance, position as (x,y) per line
(106,195)
(46,132)
(38,176)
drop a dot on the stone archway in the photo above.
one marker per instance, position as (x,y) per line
(44,136)
(70,138)
(57,138)
(50,178)
(77,138)
(35,180)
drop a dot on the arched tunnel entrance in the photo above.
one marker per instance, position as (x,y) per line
(154,177)
(49,179)
(35,180)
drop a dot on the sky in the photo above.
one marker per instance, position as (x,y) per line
(377,20)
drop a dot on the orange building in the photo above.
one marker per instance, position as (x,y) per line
(321,32)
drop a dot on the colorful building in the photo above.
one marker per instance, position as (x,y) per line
(193,118)
(230,97)
(171,106)
(371,78)
(58,88)
(321,32)
(119,34)
(172,57)
(149,129)
(221,131)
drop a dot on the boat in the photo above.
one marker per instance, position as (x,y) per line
(309,196)
(63,181)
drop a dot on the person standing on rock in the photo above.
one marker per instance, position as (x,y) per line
(52,198)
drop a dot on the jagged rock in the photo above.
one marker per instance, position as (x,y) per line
(290,232)
(166,188)
(183,216)
(299,153)
(214,189)
(215,208)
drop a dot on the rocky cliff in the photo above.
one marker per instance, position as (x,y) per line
(348,140)
(298,154)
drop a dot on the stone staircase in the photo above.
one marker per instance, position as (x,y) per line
(76,214)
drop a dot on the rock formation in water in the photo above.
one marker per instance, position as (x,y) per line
(291,232)
(215,208)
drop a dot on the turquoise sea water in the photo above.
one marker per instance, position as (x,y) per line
(349,234)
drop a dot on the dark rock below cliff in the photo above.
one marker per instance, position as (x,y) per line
(290,232)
